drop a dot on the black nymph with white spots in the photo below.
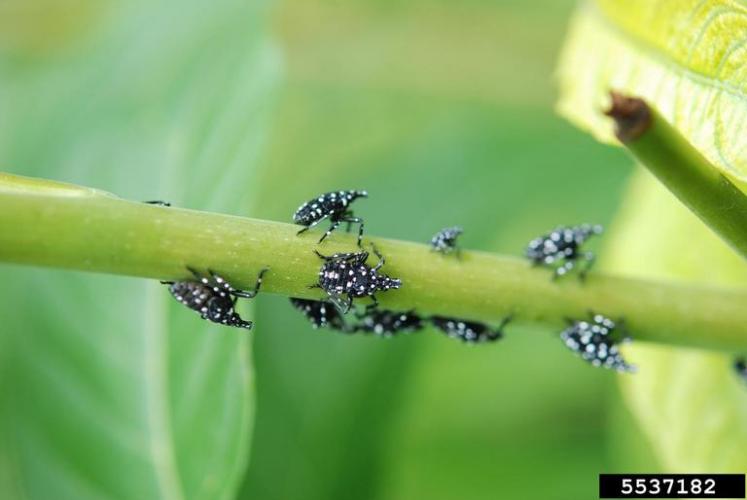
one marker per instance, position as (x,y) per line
(469,331)
(345,276)
(389,323)
(322,314)
(213,297)
(334,206)
(445,241)
(561,250)
(596,340)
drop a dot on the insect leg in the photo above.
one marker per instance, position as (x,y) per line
(341,304)
(332,227)
(349,304)
(360,232)
(257,285)
(306,228)
(323,257)
(373,305)
(498,332)
(358,257)
(194,273)
(589,258)
(347,215)
(381,262)
(354,220)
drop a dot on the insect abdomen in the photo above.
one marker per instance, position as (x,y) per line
(192,295)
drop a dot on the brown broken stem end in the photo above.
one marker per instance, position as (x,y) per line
(631,114)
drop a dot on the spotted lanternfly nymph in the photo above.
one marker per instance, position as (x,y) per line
(334,206)
(596,341)
(213,297)
(345,276)
(445,241)
(389,323)
(469,331)
(561,250)
(322,314)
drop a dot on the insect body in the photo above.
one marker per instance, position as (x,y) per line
(595,341)
(469,331)
(322,314)
(445,242)
(389,323)
(334,206)
(560,249)
(159,203)
(213,297)
(345,276)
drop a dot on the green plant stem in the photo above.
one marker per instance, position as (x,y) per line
(659,147)
(92,231)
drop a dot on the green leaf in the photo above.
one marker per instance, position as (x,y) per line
(689,403)
(685,57)
(108,388)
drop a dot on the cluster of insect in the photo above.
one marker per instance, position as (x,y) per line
(347,277)
(385,323)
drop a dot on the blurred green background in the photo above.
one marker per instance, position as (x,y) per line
(441,110)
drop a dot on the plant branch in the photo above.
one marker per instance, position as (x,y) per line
(682,169)
(56,225)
